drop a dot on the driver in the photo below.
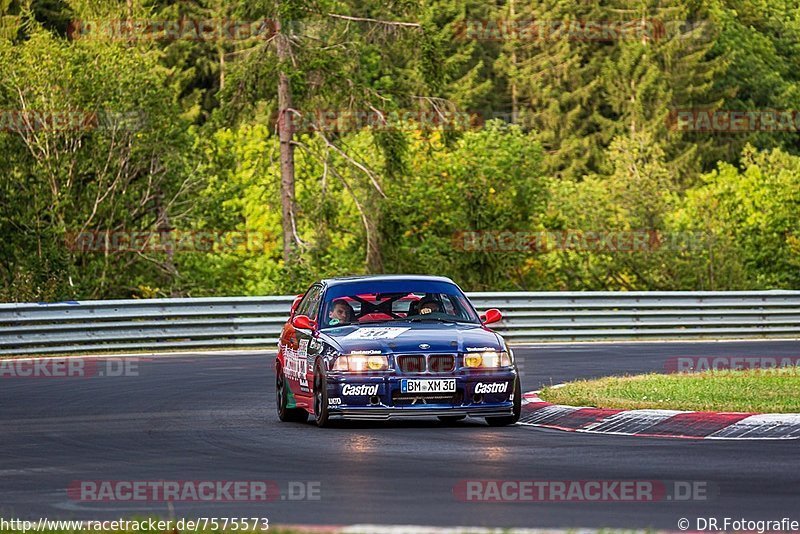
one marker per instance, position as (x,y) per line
(429,306)
(341,313)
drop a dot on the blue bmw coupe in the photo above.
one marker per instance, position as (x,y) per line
(380,347)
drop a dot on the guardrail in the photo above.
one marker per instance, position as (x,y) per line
(157,324)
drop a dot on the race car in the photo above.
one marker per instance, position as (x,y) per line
(380,347)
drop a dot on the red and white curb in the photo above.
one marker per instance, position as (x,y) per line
(658,423)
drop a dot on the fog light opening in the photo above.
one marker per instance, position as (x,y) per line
(374,399)
(477,398)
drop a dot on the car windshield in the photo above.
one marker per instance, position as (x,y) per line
(395,302)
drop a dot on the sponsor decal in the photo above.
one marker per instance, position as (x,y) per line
(376,333)
(361,389)
(481,349)
(297,364)
(334,401)
(363,352)
(494,387)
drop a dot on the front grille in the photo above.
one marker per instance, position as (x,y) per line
(411,363)
(420,363)
(441,363)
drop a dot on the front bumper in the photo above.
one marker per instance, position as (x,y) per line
(372,413)
(380,397)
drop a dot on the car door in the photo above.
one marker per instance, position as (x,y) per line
(296,351)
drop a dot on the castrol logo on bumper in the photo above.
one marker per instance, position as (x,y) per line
(494,387)
(361,389)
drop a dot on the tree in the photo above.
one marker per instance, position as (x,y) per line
(751,213)
(92,151)
(327,49)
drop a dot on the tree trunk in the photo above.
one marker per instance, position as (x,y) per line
(221,68)
(512,15)
(374,254)
(285,132)
(165,238)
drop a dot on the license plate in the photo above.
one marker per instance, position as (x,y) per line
(438,385)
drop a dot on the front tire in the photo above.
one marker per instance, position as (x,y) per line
(286,414)
(510,419)
(321,416)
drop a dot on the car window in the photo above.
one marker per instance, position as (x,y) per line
(309,306)
(450,306)
(395,306)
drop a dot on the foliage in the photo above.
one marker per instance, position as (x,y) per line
(180,138)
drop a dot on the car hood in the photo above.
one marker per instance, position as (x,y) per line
(403,337)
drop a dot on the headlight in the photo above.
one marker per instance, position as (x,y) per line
(361,363)
(489,359)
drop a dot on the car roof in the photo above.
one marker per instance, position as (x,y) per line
(330,282)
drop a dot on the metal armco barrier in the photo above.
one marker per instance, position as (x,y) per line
(234,322)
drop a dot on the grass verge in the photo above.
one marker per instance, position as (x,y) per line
(753,390)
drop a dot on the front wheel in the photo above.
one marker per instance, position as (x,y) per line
(509,419)
(320,397)
(286,414)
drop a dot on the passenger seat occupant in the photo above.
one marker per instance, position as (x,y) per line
(341,313)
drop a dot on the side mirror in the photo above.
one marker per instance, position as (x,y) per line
(304,323)
(296,301)
(491,316)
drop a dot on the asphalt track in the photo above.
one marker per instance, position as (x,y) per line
(213,418)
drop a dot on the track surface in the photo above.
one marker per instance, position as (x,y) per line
(213,418)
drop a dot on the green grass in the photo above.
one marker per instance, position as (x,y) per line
(754,390)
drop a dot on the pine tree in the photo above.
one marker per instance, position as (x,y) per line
(557,76)
(647,80)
